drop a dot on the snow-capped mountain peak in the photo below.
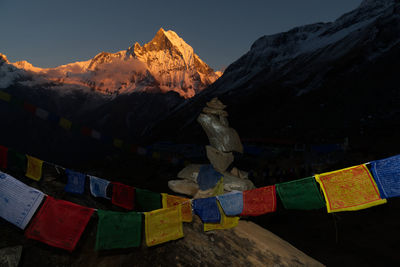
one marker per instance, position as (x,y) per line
(166,63)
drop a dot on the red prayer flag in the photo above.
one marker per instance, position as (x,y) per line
(259,201)
(86,131)
(123,195)
(29,107)
(3,157)
(59,223)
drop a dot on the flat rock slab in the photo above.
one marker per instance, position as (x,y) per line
(272,247)
(9,257)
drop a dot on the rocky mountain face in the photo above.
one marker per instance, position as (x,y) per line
(313,83)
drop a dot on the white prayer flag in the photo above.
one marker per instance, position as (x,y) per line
(18,201)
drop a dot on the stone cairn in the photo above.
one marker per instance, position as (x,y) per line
(223,141)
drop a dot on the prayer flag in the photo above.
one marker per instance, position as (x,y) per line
(98,187)
(16,102)
(3,157)
(231,203)
(118,229)
(64,123)
(141,151)
(156,155)
(147,200)
(208,177)
(259,201)
(34,169)
(207,209)
(54,118)
(41,113)
(163,225)
(5,96)
(118,142)
(387,176)
(219,188)
(29,107)
(18,202)
(96,135)
(16,162)
(170,201)
(76,182)
(59,223)
(86,131)
(300,194)
(225,223)
(123,195)
(349,189)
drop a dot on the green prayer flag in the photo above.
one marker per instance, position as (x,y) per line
(16,102)
(147,200)
(300,194)
(118,229)
(16,162)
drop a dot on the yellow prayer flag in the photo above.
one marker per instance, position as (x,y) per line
(156,155)
(163,225)
(118,142)
(66,124)
(226,222)
(5,96)
(219,188)
(349,189)
(34,169)
(171,200)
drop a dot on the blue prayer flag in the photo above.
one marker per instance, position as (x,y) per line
(386,173)
(98,187)
(76,182)
(208,177)
(18,202)
(207,209)
(231,203)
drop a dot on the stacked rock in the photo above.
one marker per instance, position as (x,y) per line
(223,141)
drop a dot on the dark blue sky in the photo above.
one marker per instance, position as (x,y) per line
(49,33)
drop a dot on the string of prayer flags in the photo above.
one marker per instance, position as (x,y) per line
(208,177)
(349,189)
(59,223)
(259,201)
(300,194)
(163,225)
(171,200)
(118,229)
(76,182)
(98,187)
(18,202)
(34,169)
(387,176)
(226,222)
(207,209)
(3,157)
(231,203)
(123,195)
(147,200)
